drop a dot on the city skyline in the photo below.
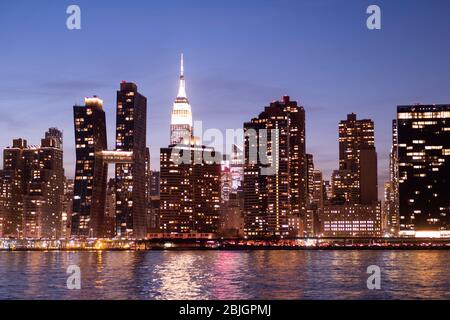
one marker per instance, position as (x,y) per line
(230,76)
(383,171)
(227,158)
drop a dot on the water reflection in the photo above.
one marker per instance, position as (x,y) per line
(225,275)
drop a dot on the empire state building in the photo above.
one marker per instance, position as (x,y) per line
(181,122)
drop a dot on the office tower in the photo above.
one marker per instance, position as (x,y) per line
(354,209)
(275,181)
(356,179)
(131,131)
(424,170)
(391,201)
(190,189)
(91,172)
(181,122)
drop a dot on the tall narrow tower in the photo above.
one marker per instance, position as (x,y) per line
(275,203)
(90,171)
(181,122)
(131,131)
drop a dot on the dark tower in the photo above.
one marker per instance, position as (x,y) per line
(275,202)
(424,169)
(90,171)
(356,179)
(131,122)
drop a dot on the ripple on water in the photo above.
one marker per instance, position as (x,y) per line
(225,275)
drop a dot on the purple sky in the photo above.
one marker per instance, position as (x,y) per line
(239,56)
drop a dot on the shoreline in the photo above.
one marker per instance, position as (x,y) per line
(240,248)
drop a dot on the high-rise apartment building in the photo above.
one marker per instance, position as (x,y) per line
(43,200)
(189,189)
(91,172)
(32,189)
(275,171)
(131,131)
(424,170)
(12,188)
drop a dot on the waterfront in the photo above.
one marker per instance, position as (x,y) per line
(225,274)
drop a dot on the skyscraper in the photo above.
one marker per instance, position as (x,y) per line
(190,186)
(131,131)
(91,172)
(13,187)
(189,190)
(181,122)
(275,181)
(424,170)
(356,179)
(354,209)
(391,201)
(43,200)
(32,189)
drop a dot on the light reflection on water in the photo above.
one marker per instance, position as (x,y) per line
(225,275)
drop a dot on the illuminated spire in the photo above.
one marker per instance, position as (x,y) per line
(181,122)
(182,66)
(182,87)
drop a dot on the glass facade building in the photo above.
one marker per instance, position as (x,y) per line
(424,169)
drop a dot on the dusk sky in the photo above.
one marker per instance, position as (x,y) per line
(239,56)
